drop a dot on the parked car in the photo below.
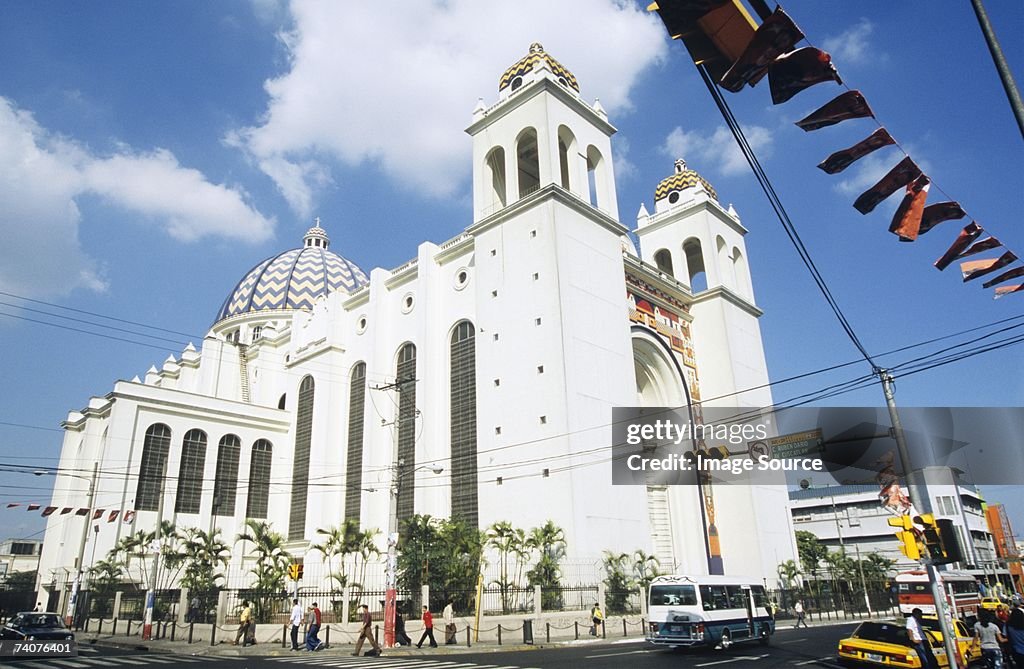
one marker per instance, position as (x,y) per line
(991,603)
(886,644)
(33,626)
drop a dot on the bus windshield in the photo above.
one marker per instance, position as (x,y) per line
(673,595)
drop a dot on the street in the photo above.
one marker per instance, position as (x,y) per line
(789,648)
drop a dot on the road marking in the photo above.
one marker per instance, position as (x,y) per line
(622,654)
(782,643)
(735,659)
(68,663)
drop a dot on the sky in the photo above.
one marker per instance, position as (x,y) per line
(150,154)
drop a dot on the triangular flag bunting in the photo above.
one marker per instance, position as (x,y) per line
(793,72)
(840,160)
(129,516)
(899,176)
(112,516)
(972,269)
(937,213)
(66,510)
(1005,276)
(907,220)
(33,507)
(82,512)
(970,232)
(48,510)
(13,504)
(845,106)
(97,514)
(1002,291)
(776,36)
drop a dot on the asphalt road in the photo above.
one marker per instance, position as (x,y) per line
(792,649)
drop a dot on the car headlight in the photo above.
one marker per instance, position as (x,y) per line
(30,638)
(70,637)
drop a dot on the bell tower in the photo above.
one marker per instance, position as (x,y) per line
(540,132)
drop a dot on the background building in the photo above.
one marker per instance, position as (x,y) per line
(494,357)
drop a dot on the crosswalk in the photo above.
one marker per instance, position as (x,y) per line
(84,661)
(397,662)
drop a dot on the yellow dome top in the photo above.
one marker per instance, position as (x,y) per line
(528,62)
(682,179)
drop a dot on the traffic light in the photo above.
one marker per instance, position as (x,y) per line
(907,536)
(295,571)
(940,538)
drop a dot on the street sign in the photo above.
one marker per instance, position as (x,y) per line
(788,446)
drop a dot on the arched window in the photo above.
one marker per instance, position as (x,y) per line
(259,479)
(596,177)
(724,265)
(300,465)
(225,485)
(405,377)
(281,402)
(695,265)
(190,472)
(354,462)
(151,470)
(567,158)
(528,161)
(494,178)
(742,273)
(463,424)
(663,259)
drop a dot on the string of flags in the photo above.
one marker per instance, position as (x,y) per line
(720,36)
(112,514)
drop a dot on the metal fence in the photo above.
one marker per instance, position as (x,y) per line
(569,598)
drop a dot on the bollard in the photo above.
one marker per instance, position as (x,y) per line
(623,627)
(284,634)
(376,633)
(604,630)
(468,635)
(327,637)
(576,628)
(114,631)
(86,628)
(499,634)
(174,628)
(99,627)
(213,634)
(547,631)
(191,627)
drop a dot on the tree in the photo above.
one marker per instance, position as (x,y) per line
(271,564)
(811,552)
(444,554)
(645,568)
(203,554)
(104,577)
(340,541)
(788,572)
(509,542)
(549,542)
(877,567)
(617,581)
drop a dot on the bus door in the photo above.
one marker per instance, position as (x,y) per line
(749,599)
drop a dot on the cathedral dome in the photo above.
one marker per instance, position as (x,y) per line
(681,180)
(529,62)
(293,279)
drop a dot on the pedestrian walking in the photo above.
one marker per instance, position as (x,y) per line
(193,609)
(244,623)
(916,633)
(366,633)
(1015,633)
(449,623)
(596,619)
(296,620)
(798,609)
(401,638)
(313,618)
(428,628)
(987,632)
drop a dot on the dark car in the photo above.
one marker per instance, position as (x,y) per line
(33,626)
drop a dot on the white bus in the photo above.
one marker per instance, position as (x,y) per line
(715,611)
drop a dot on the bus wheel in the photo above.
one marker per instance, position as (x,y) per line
(766,635)
(726,641)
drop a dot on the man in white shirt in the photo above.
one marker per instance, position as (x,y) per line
(921,644)
(296,620)
(449,623)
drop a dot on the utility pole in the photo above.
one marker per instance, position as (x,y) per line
(919,500)
(147,625)
(77,587)
(1009,85)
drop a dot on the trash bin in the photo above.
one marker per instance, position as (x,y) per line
(528,632)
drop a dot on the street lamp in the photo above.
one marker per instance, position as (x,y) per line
(85,534)
(391,595)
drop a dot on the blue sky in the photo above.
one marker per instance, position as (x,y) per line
(160,150)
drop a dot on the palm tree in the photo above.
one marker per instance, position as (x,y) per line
(616,581)
(271,563)
(508,541)
(338,541)
(549,541)
(203,552)
(646,568)
(788,571)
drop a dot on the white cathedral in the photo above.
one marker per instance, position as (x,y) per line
(494,358)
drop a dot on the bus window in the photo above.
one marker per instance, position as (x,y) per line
(760,596)
(714,597)
(673,595)
(737,597)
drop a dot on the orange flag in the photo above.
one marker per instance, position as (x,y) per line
(972,269)
(1005,276)
(899,176)
(1003,291)
(906,222)
(970,232)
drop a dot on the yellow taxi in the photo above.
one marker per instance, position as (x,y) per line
(886,644)
(991,603)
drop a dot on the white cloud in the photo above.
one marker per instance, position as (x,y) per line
(359,71)
(852,45)
(717,153)
(42,174)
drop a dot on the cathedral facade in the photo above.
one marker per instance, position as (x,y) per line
(475,381)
